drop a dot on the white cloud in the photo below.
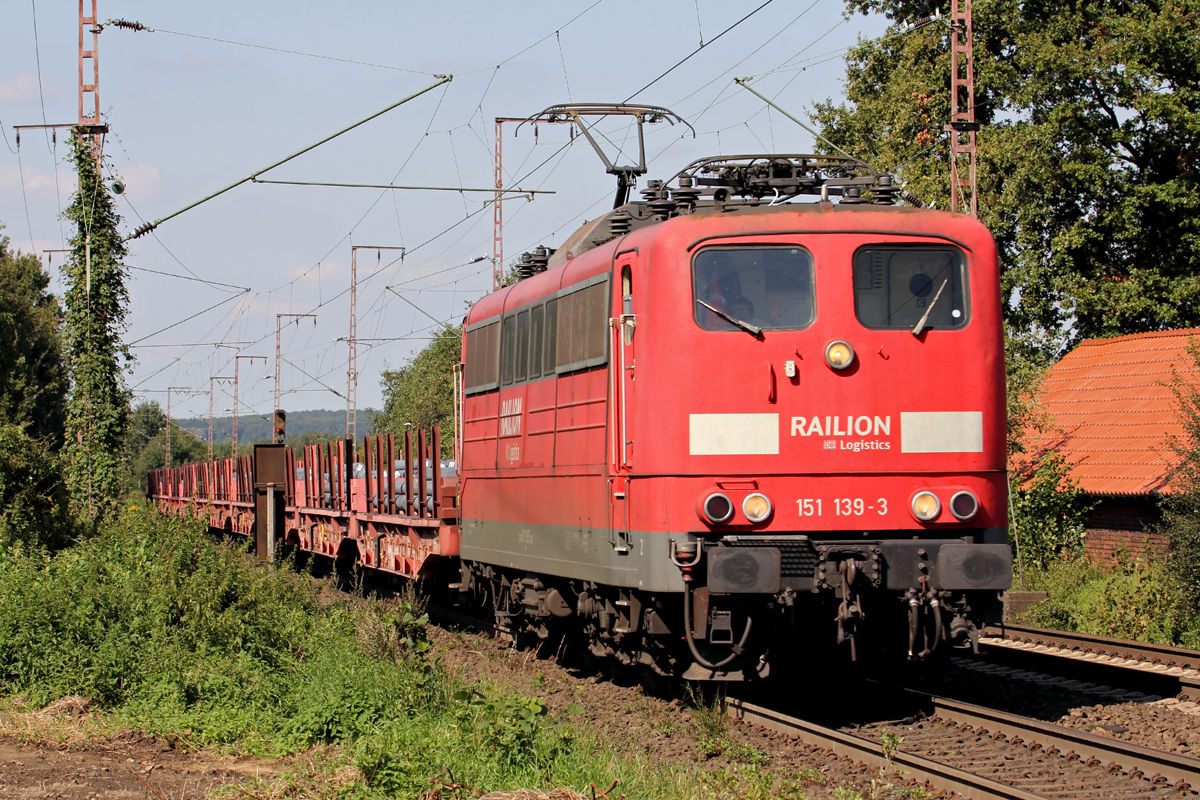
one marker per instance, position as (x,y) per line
(143,182)
(21,89)
(38,185)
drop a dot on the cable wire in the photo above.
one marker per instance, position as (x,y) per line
(698,49)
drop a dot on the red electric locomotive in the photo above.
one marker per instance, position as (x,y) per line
(715,425)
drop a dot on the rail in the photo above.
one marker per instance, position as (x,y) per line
(1130,650)
(1151,668)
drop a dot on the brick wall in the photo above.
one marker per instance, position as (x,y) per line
(1104,544)
(1122,523)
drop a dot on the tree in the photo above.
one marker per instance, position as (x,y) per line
(97,302)
(1089,152)
(32,376)
(1181,509)
(146,449)
(32,497)
(1049,514)
(421,392)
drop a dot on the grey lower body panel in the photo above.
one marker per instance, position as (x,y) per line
(577,553)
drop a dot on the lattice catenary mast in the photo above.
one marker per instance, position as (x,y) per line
(237,360)
(962,127)
(278,330)
(352,364)
(498,205)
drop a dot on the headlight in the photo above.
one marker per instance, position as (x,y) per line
(926,506)
(717,508)
(756,507)
(839,355)
(964,505)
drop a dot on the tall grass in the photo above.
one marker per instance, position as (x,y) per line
(175,634)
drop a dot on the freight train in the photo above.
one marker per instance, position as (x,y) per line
(724,427)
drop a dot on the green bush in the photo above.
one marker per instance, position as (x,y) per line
(1048,517)
(1181,517)
(1128,599)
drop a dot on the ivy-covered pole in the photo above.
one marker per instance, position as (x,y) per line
(97,302)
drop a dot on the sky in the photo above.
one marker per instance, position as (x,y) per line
(221,89)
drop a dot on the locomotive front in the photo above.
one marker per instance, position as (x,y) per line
(814,396)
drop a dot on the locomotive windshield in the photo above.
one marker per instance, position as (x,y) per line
(769,287)
(894,287)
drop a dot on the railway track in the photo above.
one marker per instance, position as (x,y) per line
(1097,660)
(982,753)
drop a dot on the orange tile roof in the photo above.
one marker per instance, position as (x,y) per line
(1112,411)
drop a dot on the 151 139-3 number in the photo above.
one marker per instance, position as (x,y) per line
(842,507)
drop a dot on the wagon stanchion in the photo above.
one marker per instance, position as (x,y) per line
(422,473)
(391,473)
(408,494)
(436,462)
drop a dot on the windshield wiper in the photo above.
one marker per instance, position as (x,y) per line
(753,330)
(916,331)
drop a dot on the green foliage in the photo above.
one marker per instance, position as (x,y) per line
(97,302)
(198,643)
(1130,599)
(1048,514)
(421,392)
(32,499)
(889,742)
(513,727)
(1181,511)
(1025,367)
(33,380)
(146,447)
(1087,153)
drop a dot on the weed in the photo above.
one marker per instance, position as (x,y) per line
(847,792)
(748,782)
(890,743)
(713,736)
(1128,599)
(746,753)
(171,633)
(811,776)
